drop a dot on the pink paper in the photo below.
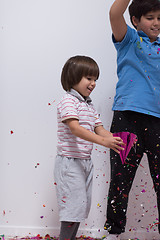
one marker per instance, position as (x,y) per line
(128,138)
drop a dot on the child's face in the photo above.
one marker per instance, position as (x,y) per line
(85,86)
(149,24)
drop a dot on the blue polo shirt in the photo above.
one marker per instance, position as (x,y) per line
(138,70)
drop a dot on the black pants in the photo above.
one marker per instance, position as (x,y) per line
(147,129)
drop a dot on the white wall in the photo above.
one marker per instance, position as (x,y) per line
(36,38)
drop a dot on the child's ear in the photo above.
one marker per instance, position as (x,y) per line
(135,21)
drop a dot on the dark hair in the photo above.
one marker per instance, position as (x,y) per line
(139,8)
(76,68)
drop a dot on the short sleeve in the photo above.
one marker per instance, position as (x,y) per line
(67,109)
(131,35)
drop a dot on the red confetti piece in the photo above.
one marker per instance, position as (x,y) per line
(37,165)
(125,195)
(49,104)
(141,165)
(47,236)
(118,174)
(11,132)
(154,224)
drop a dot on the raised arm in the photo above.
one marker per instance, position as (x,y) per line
(118,23)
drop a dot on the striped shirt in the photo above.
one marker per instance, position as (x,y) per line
(73,105)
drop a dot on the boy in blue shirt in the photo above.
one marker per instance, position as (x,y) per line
(136,103)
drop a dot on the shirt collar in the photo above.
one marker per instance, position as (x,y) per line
(145,36)
(74,93)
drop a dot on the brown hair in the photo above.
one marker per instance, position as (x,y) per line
(139,8)
(76,68)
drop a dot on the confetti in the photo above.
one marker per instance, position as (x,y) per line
(37,165)
(2,237)
(143,191)
(154,224)
(49,104)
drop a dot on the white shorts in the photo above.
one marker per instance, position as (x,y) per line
(73,177)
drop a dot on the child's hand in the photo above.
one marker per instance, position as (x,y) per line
(115,143)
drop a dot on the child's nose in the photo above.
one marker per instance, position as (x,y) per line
(156,21)
(93,83)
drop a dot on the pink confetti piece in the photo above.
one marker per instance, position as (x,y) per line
(143,191)
(129,139)
(2,237)
(118,174)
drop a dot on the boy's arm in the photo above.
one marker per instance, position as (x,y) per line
(118,23)
(100,130)
(106,141)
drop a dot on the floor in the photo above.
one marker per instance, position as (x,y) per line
(48,237)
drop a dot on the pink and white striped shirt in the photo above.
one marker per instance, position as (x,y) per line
(73,105)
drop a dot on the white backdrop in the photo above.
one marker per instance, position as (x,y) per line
(36,38)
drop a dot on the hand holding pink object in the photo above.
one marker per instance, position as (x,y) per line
(129,139)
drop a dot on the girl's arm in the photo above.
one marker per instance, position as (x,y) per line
(107,140)
(118,24)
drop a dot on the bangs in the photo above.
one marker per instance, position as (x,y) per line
(91,70)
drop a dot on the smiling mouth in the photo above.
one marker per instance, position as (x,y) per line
(155,29)
(90,89)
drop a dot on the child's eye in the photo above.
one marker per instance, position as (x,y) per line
(90,79)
